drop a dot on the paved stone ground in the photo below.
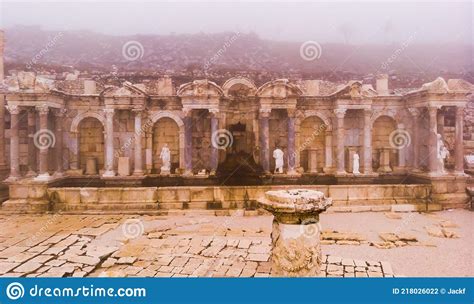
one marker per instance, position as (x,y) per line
(175,246)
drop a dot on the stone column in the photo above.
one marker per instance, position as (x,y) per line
(265,139)
(214,145)
(14,143)
(291,142)
(328,151)
(73,148)
(32,164)
(296,249)
(109,143)
(367,142)
(3,164)
(403,149)
(149,150)
(416,138)
(44,139)
(340,113)
(138,164)
(188,142)
(59,143)
(459,141)
(433,141)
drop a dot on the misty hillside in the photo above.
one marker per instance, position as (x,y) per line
(219,55)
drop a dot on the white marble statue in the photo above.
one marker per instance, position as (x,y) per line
(355,164)
(443,153)
(278,156)
(165,156)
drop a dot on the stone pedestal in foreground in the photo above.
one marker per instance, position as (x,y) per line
(296,248)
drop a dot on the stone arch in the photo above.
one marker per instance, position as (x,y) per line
(392,113)
(242,81)
(155,117)
(311,113)
(77,119)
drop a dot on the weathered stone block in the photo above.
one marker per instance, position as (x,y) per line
(123,166)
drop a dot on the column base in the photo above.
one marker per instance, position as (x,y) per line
(11,179)
(109,173)
(31,173)
(43,177)
(137,173)
(188,173)
(460,173)
(58,174)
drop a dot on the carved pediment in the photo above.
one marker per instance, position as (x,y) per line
(439,85)
(280,88)
(200,88)
(127,90)
(239,86)
(460,85)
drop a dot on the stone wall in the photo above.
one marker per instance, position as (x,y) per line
(345,197)
(469,127)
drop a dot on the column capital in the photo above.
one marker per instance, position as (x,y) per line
(187,112)
(433,109)
(291,113)
(137,112)
(415,112)
(264,112)
(13,109)
(109,112)
(42,109)
(60,112)
(368,112)
(340,112)
(460,110)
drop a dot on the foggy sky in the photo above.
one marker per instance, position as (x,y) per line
(354,22)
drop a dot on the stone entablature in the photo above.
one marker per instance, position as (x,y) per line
(136,120)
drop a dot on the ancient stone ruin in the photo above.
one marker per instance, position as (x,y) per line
(295,234)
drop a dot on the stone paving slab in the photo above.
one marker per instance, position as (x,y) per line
(149,246)
(220,246)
